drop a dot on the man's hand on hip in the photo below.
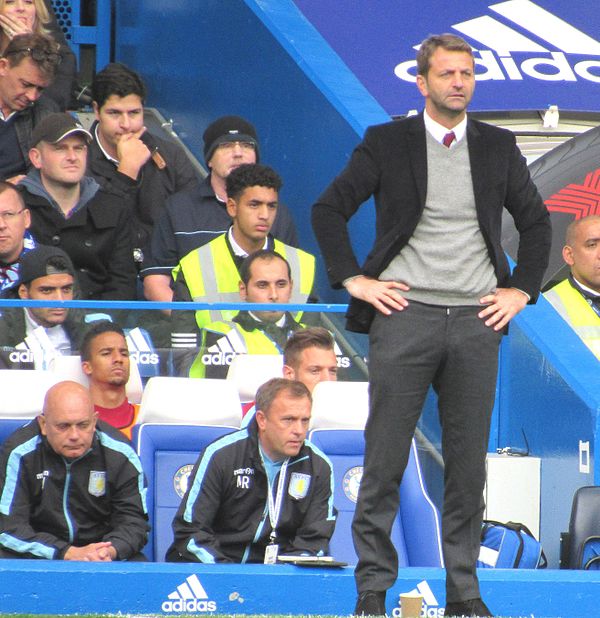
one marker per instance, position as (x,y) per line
(502,306)
(381,294)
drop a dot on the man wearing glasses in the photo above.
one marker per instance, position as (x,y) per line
(15,239)
(195,217)
(27,67)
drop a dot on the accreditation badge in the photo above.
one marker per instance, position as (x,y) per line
(97,483)
(299,484)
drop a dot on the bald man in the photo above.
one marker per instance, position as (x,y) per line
(577,298)
(71,487)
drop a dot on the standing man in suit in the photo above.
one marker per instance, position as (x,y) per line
(435,295)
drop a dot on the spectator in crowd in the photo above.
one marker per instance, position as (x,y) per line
(435,294)
(211,272)
(265,278)
(27,67)
(37,16)
(260,492)
(123,153)
(70,210)
(31,337)
(105,361)
(193,218)
(72,487)
(309,356)
(15,239)
(577,298)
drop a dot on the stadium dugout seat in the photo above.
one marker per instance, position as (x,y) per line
(339,414)
(249,371)
(23,392)
(168,453)
(190,401)
(9,426)
(69,368)
(584,526)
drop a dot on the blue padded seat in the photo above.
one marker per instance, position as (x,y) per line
(168,453)
(416,529)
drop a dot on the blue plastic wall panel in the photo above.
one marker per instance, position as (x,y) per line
(41,587)
(264,61)
(68,15)
(550,390)
(529,54)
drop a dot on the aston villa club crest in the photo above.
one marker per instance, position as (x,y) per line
(299,484)
(180,479)
(97,483)
(351,482)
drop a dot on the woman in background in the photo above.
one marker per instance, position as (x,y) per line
(25,16)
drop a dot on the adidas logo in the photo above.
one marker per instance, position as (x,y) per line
(431,607)
(517,30)
(140,351)
(189,597)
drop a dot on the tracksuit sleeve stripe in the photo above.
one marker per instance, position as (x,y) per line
(12,473)
(321,454)
(27,547)
(127,451)
(208,454)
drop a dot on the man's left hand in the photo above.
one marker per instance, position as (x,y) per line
(502,306)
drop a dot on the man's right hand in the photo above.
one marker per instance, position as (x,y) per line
(132,153)
(94,552)
(381,294)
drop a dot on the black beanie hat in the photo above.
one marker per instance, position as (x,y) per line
(228,129)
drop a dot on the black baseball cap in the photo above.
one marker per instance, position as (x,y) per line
(56,127)
(34,263)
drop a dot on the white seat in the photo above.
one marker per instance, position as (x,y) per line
(23,391)
(69,368)
(192,401)
(249,371)
(340,405)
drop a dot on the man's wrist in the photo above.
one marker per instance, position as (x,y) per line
(346,281)
(522,292)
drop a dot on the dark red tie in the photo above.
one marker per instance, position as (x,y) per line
(448,139)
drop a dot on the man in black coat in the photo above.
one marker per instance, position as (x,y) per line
(435,295)
(71,211)
(124,156)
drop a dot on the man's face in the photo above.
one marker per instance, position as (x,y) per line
(69,424)
(14,220)
(51,287)
(448,86)
(117,117)
(62,163)
(282,430)
(20,85)
(230,155)
(583,255)
(269,283)
(315,365)
(109,360)
(253,214)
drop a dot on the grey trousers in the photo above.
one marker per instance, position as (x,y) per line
(451,349)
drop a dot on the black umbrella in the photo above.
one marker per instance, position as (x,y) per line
(568,178)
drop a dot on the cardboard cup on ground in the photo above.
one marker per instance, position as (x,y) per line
(411,604)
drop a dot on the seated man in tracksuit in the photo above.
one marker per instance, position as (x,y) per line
(260,492)
(71,487)
(211,272)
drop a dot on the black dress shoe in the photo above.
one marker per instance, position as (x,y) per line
(473,608)
(370,603)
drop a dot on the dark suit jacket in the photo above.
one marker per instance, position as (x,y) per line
(391,164)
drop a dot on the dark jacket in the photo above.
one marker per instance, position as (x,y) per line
(153,186)
(49,503)
(13,332)
(97,237)
(192,219)
(223,515)
(391,164)
(26,121)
